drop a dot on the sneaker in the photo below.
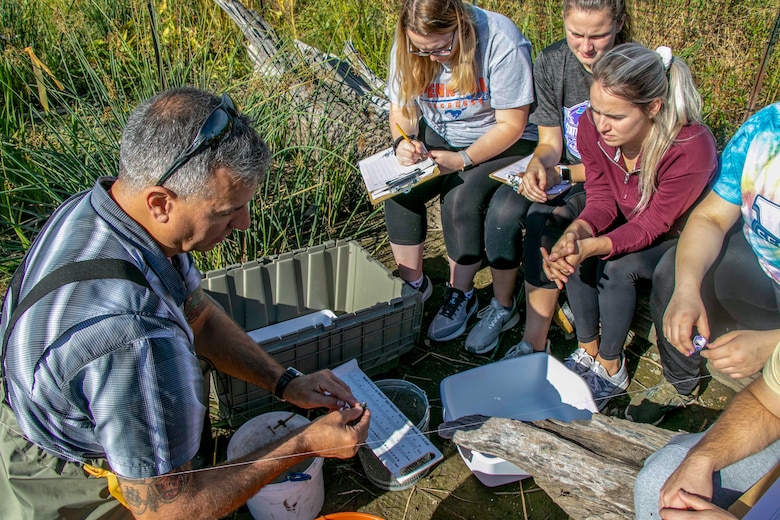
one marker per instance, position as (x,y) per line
(523,349)
(652,405)
(579,361)
(426,288)
(493,320)
(604,386)
(452,318)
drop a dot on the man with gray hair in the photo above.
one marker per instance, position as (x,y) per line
(104,323)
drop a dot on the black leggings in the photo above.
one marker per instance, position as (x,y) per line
(478,213)
(544,224)
(736,294)
(603,292)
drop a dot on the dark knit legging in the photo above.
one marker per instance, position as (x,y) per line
(478,213)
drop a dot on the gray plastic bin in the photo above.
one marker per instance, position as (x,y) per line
(378,315)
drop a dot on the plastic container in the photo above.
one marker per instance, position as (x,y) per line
(378,316)
(529,388)
(282,499)
(413,403)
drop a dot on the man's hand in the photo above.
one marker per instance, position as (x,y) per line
(332,435)
(741,353)
(697,509)
(685,310)
(320,389)
(693,476)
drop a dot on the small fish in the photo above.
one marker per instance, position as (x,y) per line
(699,344)
(364,406)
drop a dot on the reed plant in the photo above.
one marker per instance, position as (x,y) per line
(57,145)
(71,71)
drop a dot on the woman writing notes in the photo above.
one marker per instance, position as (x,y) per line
(562,80)
(647,159)
(460,87)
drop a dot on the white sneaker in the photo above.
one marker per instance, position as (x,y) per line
(523,349)
(453,316)
(579,361)
(493,320)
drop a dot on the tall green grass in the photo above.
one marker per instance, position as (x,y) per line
(100,60)
(309,196)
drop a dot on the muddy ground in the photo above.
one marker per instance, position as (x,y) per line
(450,491)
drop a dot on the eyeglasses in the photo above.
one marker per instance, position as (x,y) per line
(437,52)
(210,135)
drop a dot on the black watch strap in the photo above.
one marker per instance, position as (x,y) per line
(288,375)
(565,173)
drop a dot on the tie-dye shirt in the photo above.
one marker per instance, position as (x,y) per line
(750,177)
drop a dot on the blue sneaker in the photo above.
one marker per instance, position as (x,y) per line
(579,361)
(604,386)
(452,318)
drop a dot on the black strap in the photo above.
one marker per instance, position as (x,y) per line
(99,268)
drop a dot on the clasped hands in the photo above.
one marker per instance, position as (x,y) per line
(565,256)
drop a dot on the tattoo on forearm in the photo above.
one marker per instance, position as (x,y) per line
(153,493)
(195,304)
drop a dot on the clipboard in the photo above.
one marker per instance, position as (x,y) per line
(403,449)
(513,176)
(384,177)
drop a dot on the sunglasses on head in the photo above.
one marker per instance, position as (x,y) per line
(437,52)
(212,132)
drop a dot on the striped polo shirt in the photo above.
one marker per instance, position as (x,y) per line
(106,368)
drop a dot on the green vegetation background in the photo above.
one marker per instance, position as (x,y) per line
(72,70)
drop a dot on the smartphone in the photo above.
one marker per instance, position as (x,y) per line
(559,188)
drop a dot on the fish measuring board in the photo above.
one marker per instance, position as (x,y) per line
(396,442)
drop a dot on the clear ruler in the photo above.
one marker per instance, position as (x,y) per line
(396,442)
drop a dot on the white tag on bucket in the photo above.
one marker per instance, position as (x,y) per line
(398,443)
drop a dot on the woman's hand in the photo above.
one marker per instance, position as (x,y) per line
(536,180)
(741,353)
(410,152)
(448,161)
(564,257)
(684,311)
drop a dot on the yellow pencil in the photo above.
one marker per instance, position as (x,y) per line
(403,134)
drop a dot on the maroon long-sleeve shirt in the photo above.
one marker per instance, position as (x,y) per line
(613,192)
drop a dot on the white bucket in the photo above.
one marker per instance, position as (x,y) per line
(282,499)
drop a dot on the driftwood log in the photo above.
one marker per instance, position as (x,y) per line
(587,467)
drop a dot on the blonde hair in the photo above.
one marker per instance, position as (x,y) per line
(413,73)
(637,74)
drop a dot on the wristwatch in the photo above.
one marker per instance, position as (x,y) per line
(288,375)
(466,159)
(565,173)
